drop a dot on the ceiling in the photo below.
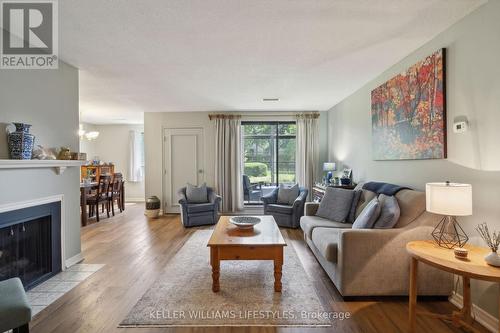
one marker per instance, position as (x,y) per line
(227,55)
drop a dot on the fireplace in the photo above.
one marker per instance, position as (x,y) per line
(30,243)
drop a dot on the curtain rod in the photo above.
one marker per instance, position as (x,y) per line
(275,114)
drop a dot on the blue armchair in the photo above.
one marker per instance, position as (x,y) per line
(196,214)
(285,215)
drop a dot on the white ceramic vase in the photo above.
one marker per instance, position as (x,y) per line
(492,259)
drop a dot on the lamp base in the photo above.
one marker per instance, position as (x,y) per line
(449,234)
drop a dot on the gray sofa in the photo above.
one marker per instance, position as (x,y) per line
(285,215)
(196,214)
(374,262)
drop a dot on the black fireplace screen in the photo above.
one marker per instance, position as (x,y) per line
(26,251)
(30,246)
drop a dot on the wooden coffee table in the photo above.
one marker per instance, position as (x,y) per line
(263,242)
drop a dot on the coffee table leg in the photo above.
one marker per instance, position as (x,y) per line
(278,263)
(413,293)
(214,261)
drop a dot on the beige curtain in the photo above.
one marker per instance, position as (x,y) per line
(228,177)
(307,151)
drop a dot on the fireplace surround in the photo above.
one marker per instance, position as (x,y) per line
(30,242)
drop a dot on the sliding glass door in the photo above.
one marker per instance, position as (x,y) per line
(268,156)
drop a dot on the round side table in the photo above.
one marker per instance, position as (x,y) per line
(474,267)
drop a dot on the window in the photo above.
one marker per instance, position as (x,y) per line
(268,157)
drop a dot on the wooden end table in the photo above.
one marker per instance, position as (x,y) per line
(474,267)
(263,242)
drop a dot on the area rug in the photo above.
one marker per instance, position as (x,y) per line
(182,295)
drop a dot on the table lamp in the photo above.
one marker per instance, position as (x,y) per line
(450,200)
(329,167)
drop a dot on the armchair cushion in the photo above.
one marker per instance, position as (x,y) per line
(271,197)
(15,309)
(287,195)
(198,208)
(336,204)
(281,209)
(197,194)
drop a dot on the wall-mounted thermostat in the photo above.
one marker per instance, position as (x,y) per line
(460,127)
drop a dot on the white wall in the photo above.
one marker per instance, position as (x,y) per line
(473,90)
(48,100)
(112,145)
(155,123)
(88,146)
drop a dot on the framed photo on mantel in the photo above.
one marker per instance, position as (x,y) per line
(409,112)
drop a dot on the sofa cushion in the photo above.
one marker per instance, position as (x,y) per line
(389,214)
(287,195)
(336,204)
(326,241)
(368,216)
(365,197)
(308,223)
(411,204)
(281,209)
(196,194)
(198,208)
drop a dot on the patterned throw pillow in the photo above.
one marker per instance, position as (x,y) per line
(196,194)
(389,214)
(368,216)
(336,204)
(287,195)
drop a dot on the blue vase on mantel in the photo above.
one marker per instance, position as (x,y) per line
(21,142)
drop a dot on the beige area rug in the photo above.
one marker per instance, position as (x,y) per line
(182,295)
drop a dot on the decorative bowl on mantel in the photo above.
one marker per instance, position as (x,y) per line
(244,222)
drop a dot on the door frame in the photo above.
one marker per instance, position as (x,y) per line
(168,192)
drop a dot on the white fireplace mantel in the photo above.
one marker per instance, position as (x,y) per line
(58,165)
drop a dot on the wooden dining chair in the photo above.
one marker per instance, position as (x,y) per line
(115,192)
(99,197)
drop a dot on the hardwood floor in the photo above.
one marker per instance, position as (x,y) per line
(135,250)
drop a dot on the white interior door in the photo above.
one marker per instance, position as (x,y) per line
(184,163)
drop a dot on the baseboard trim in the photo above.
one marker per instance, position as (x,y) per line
(481,316)
(134,200)
(73,260)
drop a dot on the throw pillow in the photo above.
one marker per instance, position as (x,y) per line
(354,205)
(287,195)
(389,214)
(336,204)
(368,216)
(196,194)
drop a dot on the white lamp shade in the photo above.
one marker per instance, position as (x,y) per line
(450,199)
(329,166)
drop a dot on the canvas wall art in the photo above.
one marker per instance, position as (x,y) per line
(409,113)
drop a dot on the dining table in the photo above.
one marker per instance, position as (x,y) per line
(85,189)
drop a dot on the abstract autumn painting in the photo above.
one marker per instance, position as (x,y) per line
(409,114)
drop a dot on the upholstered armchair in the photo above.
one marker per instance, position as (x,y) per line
(285,215)
(196,214)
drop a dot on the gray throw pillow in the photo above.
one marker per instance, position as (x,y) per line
(196,194)
(389,214)
(336,204)
(287,195)
(354,205)
(368,216)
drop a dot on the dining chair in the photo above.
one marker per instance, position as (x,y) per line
(115,192)
(99,197)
